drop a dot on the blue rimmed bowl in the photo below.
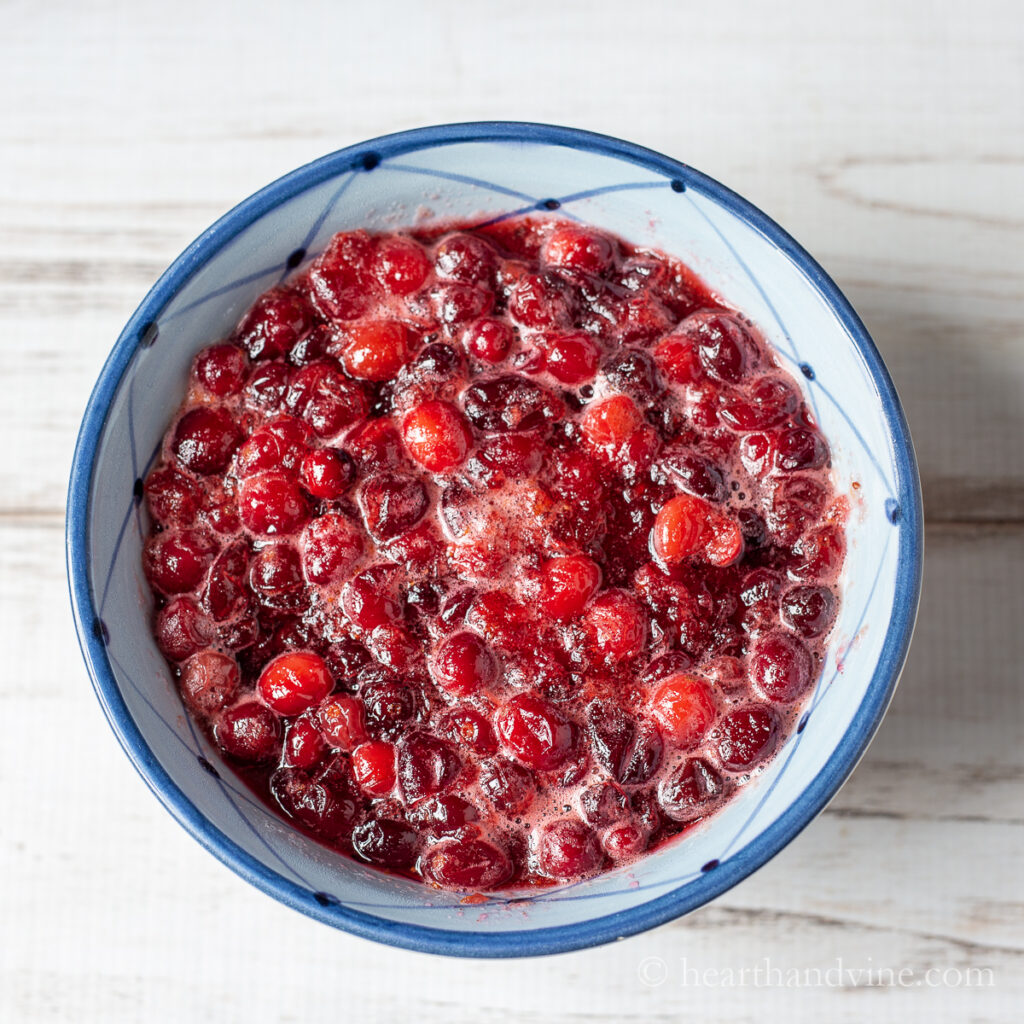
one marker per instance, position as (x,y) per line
(489,170)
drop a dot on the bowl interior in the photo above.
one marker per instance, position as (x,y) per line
(415,178)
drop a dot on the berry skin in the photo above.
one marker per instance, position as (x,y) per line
(678,361)
(437,436)
(567,585)
(373,768)
(205,439)
(611,422)
(684,708)
(616,625)
(463,664)
(271,504)
(294,682)
(343,722)
(376,350)
(534,732)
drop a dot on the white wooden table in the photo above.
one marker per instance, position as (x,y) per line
(888,137)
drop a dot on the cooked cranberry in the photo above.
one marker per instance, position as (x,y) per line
(224,595)
(780,668)
(818,555)
(539,301)
(603,804)
(176,562)
(463,664)
(696,474)
(567,585)
(769,401)
(209,681)
(756,453)
(632,371)
(624,841)
(271,504)
(612,422)
(533,731)
(325,398)
(426,765)
(391,504)
(367,599)
(375,445)
(616,626)
(304,745)
(466,864)
(377,349)
(275,577)
(181,629)
(437,361)
(444,814)
(572,357)
(679,529)
(691,791)
(746,736)
(249,732)
(343,721)
(205,439)
(331,545)
(508,785)
(437,436)
(684,708)
(389,705)
(327,472)
(579,248)
(339,283)
(389,844)
(678,360)
(292,683)
(373,767)
(457,304)
(568,849)
(274,324)
(401,265)
(808,610)
(393,646)
(511,455)
(324,801)
(510,403)
(724,345)
(468,728)
(222,369)
(671,664)
(489,339)
(172,497)
(795,504)
(630,749)
(800,448)
(266,386)
(466,258)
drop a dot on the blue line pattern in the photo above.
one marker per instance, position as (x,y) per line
(235,796)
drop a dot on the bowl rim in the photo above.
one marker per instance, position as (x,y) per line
(560,938)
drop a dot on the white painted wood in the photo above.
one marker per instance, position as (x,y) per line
(887,137)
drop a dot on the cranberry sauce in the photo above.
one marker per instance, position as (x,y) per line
(494,557)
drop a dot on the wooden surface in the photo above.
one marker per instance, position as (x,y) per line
(888,137)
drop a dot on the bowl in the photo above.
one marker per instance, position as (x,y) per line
(489,170)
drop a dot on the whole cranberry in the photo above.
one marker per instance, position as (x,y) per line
(271,504)
(463,664)
(327,473)
(205,439)
(466,864)
(437,436)
(182,629)
(684,707)
(377,349)
(426,765)
(534,732)
(466,258)
(489,339)
(294,682)
(373,767)
(176,561)
(401,265)
(249,732)
(209,681)
(746,736)
(578,248)
(221,369)
(568,849)
(274,323)
(343,721)
(331,545)
(780,667)
(275,578)
(173,498)
(468,729)
(808,611)
(616,626)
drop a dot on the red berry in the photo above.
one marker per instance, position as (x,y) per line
(391,504)
(684,707)
(271,504)
(181,629)
(616,626)
(327,473)
(624,841)
(373,767)
(331,546)
(568,849)
(769,401)
(611,422)
(534,732)
(339,282)
(221,369)
(508,785)
(377,349)
(393,646)
(275,578)
(679,528)
(578,248)
(205,439)
(463,664)
(818,555)
(304,745)
(209,681)
(276,321)
(437,436)
(456,304)
(367,600)
(572,357)
(808,611)
(465,258)
(172,497)
(691,791)
(343,722)
(568,584)
(489,339)
(388,844)
(466,864)
(401,265)
(725,346)
(800,448)
(176,561)
(539,302)
(780,668)
(279,446)
(677,358)
(249,732)
(468,728)
(294,682)
(426,765)
(325,398)
(746,736)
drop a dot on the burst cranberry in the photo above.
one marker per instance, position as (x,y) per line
(808,610)
(510,403)
(629,748)
(511,455)
(611,422)
(205,439)
(489,339)
(568,849)
(684,707)
(339,283)
(534,732)
(572,358)
(389,706)
(780,668)
(367,600)
(209,681)
(373,767)
(769,401)
(443,815)
(176,562)
(725,346)
(327,473)
(463,664)
(377,349)
(468,728)
(249,732)
(437,436)
(343,722)
(819,554)
(331,545)
(624,841)
(457,304)
(401,265)
(508,785)
(426,765)
(616,626)
(578,248)
(325,398)
(276,321)
(304,745)
(539,302)
(375,445)
(467,864)
(568,584)
(292,683)
(679,528)
(271,504)
(691,791)
(324,801)
(746,736)
(391,504)
(266,386)
(800,448)
(393,646)
(280,445)
(388,844)
(603,804)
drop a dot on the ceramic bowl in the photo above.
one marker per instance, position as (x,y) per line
(484,171)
